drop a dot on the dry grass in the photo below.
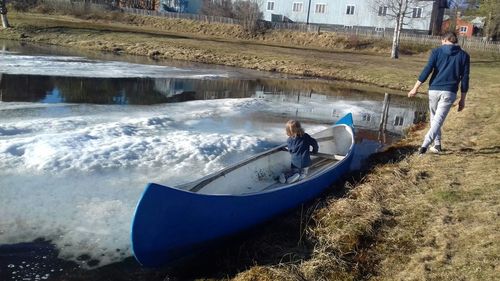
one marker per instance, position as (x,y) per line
(422,218)
(408,218)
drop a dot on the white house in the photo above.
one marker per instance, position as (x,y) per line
(370,14)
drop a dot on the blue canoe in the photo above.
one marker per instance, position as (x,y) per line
(172,222)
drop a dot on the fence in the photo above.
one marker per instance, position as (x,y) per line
(476,44)
(482,45)
(294,26)
(180,16)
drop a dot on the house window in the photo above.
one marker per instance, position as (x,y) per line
(297,7)
(367,117)
(463,29)
(270,6)
(419,117)
(379,29)
(350,10)
(398,121)
(417,13)
(320,8)
(382,11)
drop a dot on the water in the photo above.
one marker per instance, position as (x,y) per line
(81,136)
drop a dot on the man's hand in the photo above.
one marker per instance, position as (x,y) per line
(461,104)
(412,93)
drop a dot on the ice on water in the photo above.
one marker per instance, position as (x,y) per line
(14,63)
(73,173)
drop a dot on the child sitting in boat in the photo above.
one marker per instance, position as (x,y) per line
(299,144)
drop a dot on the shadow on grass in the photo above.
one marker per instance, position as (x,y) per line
(393,154)
(484,150)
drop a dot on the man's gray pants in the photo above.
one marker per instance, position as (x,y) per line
(440,103)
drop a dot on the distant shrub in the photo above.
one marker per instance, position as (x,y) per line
(246,11)
(22,5)
(223,8)
(74,8)
(250,16)
(352,41)
(413,48)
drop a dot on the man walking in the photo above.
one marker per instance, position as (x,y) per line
(449,65)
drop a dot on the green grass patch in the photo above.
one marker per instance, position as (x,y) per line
(448,196)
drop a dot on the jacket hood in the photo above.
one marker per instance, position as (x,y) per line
(451,50)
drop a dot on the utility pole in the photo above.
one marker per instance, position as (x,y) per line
(1,74)
(3,14)
(308,11)
(437,16)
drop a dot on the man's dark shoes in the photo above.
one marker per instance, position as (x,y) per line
(435,149)
(422,150)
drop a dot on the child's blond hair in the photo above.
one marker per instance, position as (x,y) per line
(294,129)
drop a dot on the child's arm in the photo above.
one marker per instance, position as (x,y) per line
(289,145)
(314,144)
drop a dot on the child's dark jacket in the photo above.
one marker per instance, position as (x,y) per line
(299,149)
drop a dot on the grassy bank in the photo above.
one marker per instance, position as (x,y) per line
(413,218)
(406,218)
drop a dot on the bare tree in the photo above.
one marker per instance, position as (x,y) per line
(221,8)
(454,15)
(399,12)
(249,14)
(3,14)
(491,10)
(246,11)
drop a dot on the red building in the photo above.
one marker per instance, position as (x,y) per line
(462,27)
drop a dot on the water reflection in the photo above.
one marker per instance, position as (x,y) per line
(132,91)
(368,109)
(302,103)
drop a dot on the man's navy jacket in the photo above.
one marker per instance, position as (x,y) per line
(450,66)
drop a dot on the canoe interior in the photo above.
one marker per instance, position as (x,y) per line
(261,172)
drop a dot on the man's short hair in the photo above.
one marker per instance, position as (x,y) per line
(451,37)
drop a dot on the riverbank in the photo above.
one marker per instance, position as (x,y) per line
(406,218)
